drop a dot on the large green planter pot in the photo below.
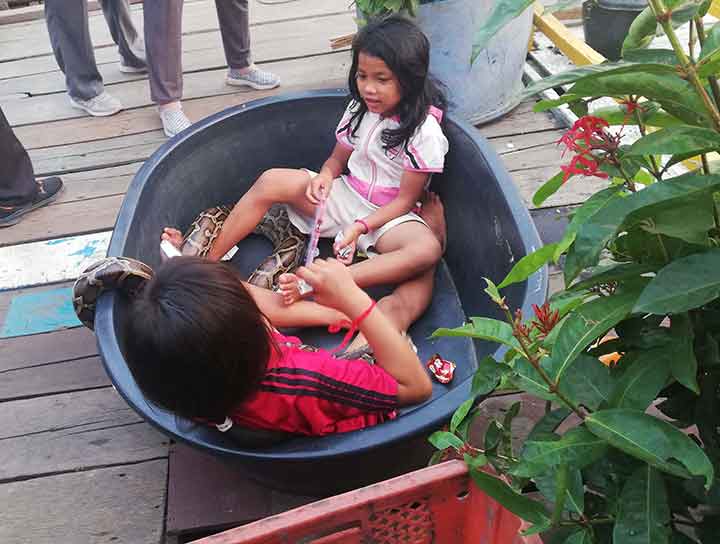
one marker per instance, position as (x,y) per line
(606,23)
(489,87)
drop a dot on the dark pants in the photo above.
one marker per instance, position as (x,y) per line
(17,180)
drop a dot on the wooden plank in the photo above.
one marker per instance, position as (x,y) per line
(64,220)
(522,120)
(32,13)
(96,154)
(72,449)
(102,182)
(573,47)
(138,147)
(52,347)
(87,410)
(575,191)
(197,17)
(119,505)
(83,129)
(53,378)
(200,52)
(133,94)
(207,494)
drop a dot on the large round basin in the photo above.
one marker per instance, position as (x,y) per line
(216,161)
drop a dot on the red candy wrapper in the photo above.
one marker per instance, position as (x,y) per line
(442,370)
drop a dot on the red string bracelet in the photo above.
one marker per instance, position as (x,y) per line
(364,224)
(352,327)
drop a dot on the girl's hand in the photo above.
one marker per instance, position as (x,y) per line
(334,286)
(318,188)
(350,237)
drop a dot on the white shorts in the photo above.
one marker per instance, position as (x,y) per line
(343,207)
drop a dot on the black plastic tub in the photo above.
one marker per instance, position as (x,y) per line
(216,161)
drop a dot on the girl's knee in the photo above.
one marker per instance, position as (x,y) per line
(429,252)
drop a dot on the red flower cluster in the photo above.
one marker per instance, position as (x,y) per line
(587,134)
(546,318)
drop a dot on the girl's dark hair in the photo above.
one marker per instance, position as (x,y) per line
(194,339)
(400,44)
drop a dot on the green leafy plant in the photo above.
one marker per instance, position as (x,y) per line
(626,452)
(383,7)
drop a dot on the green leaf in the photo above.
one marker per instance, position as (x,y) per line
(587,74)
(656,442)
(549,188)
(577,448)
(684,365)
(611,273)
(436,457)
(676,96)
(521,506)
(689,221)
(712,42)
(548,423)
(503,12)
(586,324)
(492,292)
(548,103)
(596,232)
(679,139)
(650,115)
(483,328)
(443,440)
(587,382)
(682,285)
(710,65)
(574,489)
(529,264)
(487,376)
(642,380)
(580,537)
(476,462)
(661,56)
(461,413)
(641,32)
(644,516)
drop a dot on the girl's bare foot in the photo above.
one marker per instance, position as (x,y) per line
(433,213)
(289,288)
(173,236)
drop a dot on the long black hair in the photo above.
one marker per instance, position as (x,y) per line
(403,47)
(195,340)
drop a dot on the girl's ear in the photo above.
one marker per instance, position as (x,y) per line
(122,273)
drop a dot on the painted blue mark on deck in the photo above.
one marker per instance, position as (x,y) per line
(33,313)
(56,242)
(87,251)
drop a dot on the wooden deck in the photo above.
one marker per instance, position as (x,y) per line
(77,464)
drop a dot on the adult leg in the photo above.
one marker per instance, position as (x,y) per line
(124,34)
(67,23)
(20,193)
(235,31)
(17,181)
(163,46)
(275,186)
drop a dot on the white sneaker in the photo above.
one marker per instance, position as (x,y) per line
(174,121)
(255,78)
(127,69)
(101,105)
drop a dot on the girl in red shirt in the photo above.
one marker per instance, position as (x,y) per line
(200,344)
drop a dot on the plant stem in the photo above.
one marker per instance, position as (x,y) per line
(714,87)
(688,66)
(691,42)
(535,362)
(705,164)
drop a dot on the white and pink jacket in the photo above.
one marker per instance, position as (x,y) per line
(375,173)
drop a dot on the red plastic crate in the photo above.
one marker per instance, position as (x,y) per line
(438,504)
